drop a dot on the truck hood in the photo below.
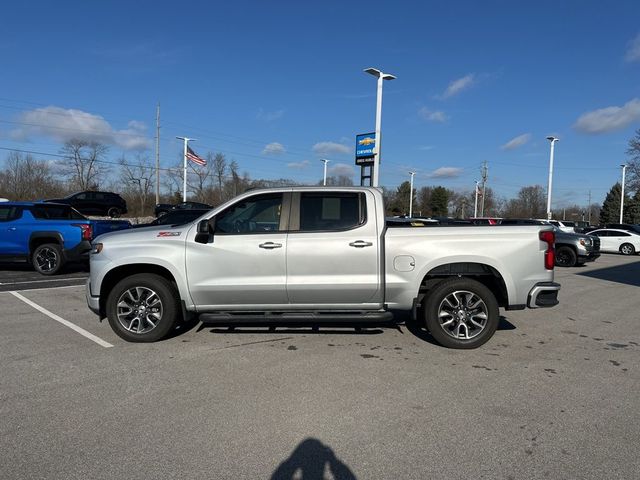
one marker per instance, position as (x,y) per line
(145,233)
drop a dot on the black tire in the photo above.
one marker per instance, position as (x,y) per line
(47,259)
(566,257)
(627,249)
(476,305)
(131,325)
(114,212)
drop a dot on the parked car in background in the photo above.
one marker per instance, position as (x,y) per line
(95,203)
(624,226)
(162,208)
(485,220)
(572,249)
(404,221)
(176,217)
(564,225)
(48,235)
(617,241)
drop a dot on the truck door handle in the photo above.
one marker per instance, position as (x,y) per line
(270,245)
(360,244)
(12,229)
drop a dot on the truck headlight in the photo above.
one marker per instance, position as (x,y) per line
(585,242)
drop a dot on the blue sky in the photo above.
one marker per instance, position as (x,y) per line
(279,85)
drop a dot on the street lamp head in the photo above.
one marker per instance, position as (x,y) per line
(377,73)
(552,139)
(623,165)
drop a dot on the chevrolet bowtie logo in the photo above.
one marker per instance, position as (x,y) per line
(367,141)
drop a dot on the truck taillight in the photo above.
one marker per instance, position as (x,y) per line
(549,237)
(87,230)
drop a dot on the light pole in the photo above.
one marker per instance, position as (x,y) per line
(376,160)
(184,173)
(325,161)
(553,140)
(624,169)
(475,206)
(411,195)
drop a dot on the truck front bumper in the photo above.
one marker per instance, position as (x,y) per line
(543,294)
(92,302)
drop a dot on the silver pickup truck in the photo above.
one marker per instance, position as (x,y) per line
(318,254)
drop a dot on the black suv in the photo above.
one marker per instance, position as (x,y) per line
(162,208)
(96,203)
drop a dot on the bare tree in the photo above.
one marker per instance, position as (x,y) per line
(82,163)
(633,173)
(25,178)
(220,170)
(199,182)
(530,203)
(138,177)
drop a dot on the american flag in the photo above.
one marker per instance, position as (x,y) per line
(193,156)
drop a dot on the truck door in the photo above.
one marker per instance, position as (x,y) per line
(243,267)
(333,250)
(14,237)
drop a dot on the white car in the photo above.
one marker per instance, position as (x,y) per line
(614,240)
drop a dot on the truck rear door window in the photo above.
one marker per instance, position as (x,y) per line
(331,211)
(8,213)
(55,212)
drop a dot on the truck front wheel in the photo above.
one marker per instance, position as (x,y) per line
(142,308)
(566,257)
(461,313)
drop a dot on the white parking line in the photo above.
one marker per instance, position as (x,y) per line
(64,322)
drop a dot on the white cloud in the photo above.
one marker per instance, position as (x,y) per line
(609,119)
(437,116)
(329,148)
(426,148)
(67,124)
(274,148)
(341,169)
(516,142)
(633,52)
(458,85)
(269,116)
(299,165)
(446,172)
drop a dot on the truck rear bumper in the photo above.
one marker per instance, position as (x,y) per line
(543,294)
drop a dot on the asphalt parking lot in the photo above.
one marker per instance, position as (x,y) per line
(554,395)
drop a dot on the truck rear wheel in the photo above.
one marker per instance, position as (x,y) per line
(142,308)
(47,258)
(461,313)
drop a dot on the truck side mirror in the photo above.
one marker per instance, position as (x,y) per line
(204,231)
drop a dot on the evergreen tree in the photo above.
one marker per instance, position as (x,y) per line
(610,212)
(439,202)
(632,209)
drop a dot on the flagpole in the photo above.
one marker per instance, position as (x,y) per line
(184,172)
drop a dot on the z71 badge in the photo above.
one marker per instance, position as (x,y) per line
(169,234)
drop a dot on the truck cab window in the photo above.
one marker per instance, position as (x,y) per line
(257,214)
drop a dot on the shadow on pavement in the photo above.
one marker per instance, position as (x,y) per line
(309,461)
(294,328)
(628,274)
